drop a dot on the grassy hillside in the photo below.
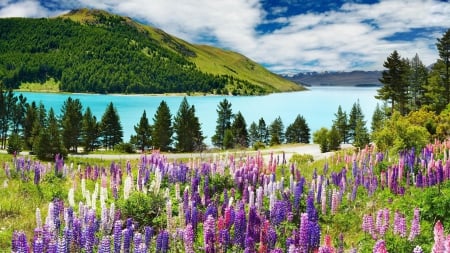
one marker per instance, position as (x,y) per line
(95,51)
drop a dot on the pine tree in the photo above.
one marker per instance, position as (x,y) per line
(48,142)
(253,134)
(394,89)
(443,46)
(355,115)
(110,128)
(239,129)
(361,138)
(225,115)
(143,133)
(298,131)
(263,132)
(162,127)
(334,139)
(71,121)
(417,80)
(341,124)
(276,130)
(30,118)
(90,131)
(188,134)
(378,119)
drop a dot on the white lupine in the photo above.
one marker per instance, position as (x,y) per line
(291,183)
(103,195)
(177,191)
(88,198)
(323,199)
(83,187)
(127,187)
(169,214)
(49,220)
(71,197)
(94,197)
(251,197)
(38,218)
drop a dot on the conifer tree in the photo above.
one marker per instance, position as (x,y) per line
(394,89)
(298,131)
(30,118)
(71,123)
(276,132)
(111,128)
(378,119)
(162,127)
(253,133)
(263,132)
(355,115)
(188,134)
(443,46)
(90,131)
(225,115)
(239,129)
(143,133)
(341,124)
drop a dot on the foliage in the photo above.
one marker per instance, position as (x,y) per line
(276,130)
(341,124)
(145,209)
(239,129)
(15,144)
(301,159)
(125,147)
(71,123)
(90,131)
(321,137)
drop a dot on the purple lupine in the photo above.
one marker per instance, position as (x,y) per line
(19,242)
(137,240)
(314,235)
(367,224)
(239,228)
(311,209)
(148,236)
(126,234)
(209,234)
(298,194)
(399,224)
(271,237)
(249,245)
(165,242)
(117,234)
(254,224)
(188,238)
(224,239)
(38,245)
(304,233)
(415,225)
(277,250)
(105,245)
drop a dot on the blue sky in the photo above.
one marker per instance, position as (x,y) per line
(286,36)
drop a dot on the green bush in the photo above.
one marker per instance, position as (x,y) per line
(125,148)
(146,209)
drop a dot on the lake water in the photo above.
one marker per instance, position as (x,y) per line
(317,105)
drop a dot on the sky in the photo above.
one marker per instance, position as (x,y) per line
(285,36)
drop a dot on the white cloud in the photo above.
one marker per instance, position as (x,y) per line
(352,37)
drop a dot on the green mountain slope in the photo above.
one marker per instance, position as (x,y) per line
(95,51)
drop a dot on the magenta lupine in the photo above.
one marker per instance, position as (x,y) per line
(439,239)
(380,247)
(415,225)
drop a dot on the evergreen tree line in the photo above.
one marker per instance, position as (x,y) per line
(231,130)
(110,55)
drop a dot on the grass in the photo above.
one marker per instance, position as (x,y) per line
(49,86)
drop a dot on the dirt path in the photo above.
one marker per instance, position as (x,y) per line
(289,150)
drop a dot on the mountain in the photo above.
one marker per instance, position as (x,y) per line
(353,78)
(96,51)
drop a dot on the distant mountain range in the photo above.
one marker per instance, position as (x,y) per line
(353,78)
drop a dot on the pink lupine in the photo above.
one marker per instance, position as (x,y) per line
(380,247)
(438,246)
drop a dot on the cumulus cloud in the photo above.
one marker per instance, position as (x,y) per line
(354,36)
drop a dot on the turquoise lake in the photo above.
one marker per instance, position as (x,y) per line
(317,105)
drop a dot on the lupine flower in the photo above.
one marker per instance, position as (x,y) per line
(105,246)
(117,234)
(418,249)
(209,234)
(239,228)
(304,233)
(399,224)
(148,236)
(380,247)
(19,242)
(188,238)
(415,225)
(439,239)
(367,224)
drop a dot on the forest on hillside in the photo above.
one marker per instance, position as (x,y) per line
(108,55)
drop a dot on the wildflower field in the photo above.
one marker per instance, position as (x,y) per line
(353,201)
